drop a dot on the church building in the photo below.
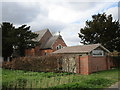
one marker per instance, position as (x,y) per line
(48,43)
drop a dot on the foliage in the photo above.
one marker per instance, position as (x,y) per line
(90,83)
(43,63)
(8,39)
(101,29)
(116,61)
(28,79)
(22,79)
(25,39)
(16,38)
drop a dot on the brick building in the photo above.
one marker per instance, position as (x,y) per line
(84,59)
(47,44)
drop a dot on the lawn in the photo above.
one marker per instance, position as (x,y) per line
(28,79)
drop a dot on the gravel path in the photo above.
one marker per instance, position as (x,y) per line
(115,86)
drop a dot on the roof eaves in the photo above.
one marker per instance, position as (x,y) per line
(71,53)
(96,45)
(99,45)
(105,49)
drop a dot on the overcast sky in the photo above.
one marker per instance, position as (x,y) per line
(66,16)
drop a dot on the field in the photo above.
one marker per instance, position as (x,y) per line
(27,79)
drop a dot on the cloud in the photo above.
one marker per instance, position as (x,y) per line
(64,16)
(70,34)
(82,6)
(114,12)
(42,22)
(17,13)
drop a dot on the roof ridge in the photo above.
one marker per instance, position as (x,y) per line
(80,48)
(84,45)
(41,33)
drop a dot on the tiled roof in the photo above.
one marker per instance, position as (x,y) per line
(50,42)
(80,49)
(41,33)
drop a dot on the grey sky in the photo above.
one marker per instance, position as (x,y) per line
(16,13)
(65,16)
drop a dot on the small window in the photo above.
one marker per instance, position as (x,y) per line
(98,53)
(59,47)
(60,68)
(46,53)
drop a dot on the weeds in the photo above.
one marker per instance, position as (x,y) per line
(27,79)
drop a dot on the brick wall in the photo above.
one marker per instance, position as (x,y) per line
(42,42)
(98,64)
(89,64)
(30,52)
(59,41)
(84,69)
(44,39)
(37,52)
(46,52)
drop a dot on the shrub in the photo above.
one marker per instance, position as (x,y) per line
(43,63)
(116,61)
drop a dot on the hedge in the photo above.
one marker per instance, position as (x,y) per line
(42,63)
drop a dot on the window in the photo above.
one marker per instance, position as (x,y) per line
(59,47)
(60,68)
(46,53)
(98,53)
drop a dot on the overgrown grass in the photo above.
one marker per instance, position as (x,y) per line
(27,79)
(89,83)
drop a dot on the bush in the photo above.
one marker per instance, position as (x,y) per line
(43,63)
(116,61)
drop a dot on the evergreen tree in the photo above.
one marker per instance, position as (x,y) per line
(101,29)
(7,39)
(18,39)
(25,39)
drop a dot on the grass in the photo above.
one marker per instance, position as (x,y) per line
(27,79)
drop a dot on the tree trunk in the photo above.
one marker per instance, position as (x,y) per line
(5,59)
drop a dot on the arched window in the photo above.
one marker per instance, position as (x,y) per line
(59,47)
